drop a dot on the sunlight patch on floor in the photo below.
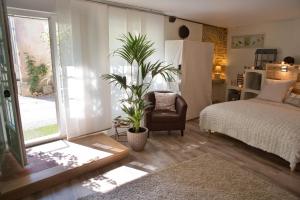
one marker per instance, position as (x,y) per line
(114,178)
(67,154)
(144,166)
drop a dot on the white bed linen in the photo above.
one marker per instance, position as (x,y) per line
(273,127)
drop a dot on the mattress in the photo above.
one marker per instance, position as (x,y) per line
(272,127)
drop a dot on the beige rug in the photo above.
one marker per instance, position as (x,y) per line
(206,177)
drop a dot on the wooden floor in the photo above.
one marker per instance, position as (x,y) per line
(163,150)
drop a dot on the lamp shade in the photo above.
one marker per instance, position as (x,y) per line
(218,69)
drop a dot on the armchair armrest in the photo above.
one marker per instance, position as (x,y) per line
(147,118)
(181,106)
(149,110)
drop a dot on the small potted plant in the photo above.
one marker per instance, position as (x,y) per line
(136,50)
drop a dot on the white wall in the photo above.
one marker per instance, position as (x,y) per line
(40,5)
(282,35)
(171,30)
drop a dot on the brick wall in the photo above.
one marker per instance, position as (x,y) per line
(218,36)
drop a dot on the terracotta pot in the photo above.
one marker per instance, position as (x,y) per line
(137,141)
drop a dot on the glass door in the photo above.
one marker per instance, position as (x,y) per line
(11,129)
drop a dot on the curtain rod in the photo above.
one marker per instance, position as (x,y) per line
(122,5)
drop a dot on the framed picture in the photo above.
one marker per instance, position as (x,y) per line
(247,41)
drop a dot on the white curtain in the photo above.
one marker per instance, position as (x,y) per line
(173,56)
(87,34)
(83,51)
(122,21)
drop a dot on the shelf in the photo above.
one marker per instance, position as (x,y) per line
(231,87)
(261,71)
(253,80)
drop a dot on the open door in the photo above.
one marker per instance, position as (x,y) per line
(11,129)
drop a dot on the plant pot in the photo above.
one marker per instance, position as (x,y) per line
(137,141)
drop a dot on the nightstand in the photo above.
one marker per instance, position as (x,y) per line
(218,90)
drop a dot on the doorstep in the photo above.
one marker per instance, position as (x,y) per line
(60,161)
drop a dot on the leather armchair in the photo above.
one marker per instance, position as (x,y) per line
(157,120)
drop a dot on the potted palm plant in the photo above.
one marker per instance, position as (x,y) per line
(136,51)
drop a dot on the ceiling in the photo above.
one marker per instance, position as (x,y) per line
(225,13)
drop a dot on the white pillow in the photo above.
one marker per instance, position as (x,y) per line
(165,101)
(275,90)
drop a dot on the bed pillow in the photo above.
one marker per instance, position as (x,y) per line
(165,101)
(275,90)
(293,99)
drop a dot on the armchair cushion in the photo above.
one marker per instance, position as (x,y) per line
(165,101)
(164,116)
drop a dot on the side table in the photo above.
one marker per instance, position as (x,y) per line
(120,123)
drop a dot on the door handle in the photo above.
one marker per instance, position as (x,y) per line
(6,93)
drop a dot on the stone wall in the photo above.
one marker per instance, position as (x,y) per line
(218,36)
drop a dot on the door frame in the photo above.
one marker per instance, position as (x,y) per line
(53,51)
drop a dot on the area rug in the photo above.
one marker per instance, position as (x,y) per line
(205,177)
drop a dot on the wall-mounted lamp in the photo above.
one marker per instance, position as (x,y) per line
(284,68)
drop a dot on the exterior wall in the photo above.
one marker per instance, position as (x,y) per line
(31,36)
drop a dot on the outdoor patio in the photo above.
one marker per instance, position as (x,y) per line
(38,115)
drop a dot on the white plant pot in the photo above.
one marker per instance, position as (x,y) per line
(137,141)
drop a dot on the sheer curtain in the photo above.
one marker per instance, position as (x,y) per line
(122,21)
(87,34)
(85,103)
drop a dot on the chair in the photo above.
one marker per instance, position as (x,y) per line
(157,120)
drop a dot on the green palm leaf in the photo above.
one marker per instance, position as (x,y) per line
(136,50)
(116,79)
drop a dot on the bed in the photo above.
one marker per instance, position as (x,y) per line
(272,127)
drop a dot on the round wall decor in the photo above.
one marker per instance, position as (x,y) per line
(183,32)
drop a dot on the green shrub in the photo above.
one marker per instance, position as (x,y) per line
(35,72)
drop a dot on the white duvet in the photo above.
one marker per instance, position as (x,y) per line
(273,127)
